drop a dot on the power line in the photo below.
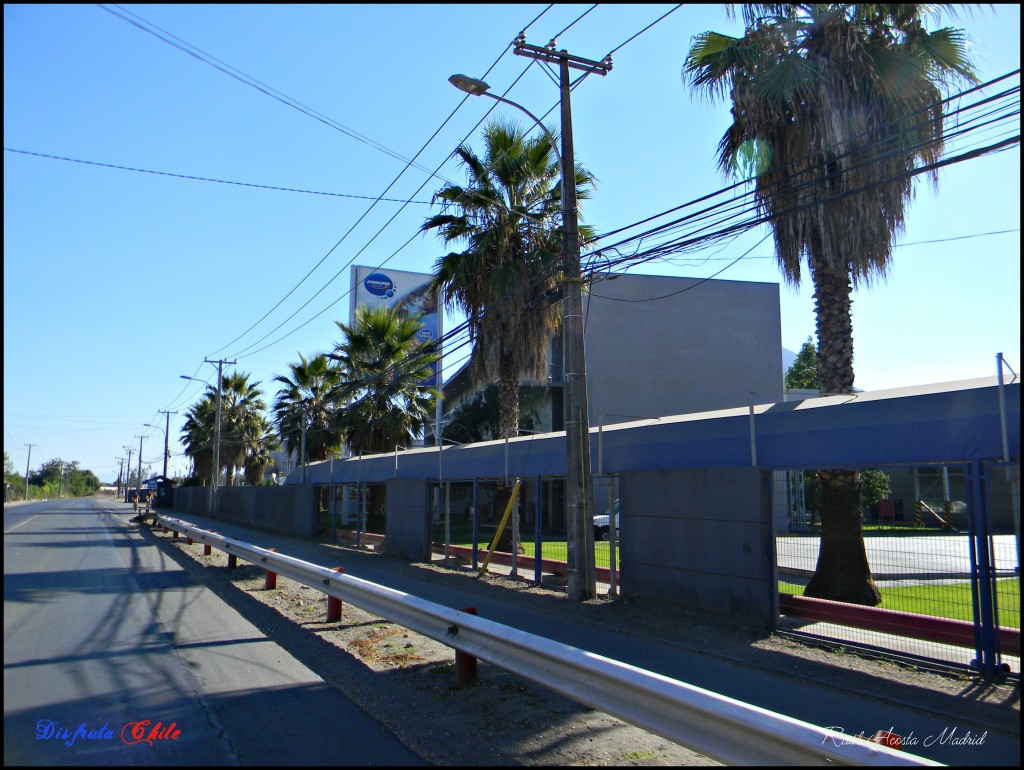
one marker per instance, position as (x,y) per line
(792,164)
(738,205)
(208,179)
(227,69)
(349,231)
(245,352)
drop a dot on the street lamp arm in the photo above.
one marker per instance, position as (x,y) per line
(479,88)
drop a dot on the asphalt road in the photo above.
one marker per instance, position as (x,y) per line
(107,640)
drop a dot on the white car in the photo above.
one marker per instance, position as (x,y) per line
(601,531)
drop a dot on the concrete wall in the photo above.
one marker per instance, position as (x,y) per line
(290,510)
(193,500)
(657,346)
(407,524)
(701,537)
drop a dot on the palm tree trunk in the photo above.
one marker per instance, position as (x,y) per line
(508,396)
(842,573)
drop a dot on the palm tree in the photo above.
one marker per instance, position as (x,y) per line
(507,217)
(306,397)
(241,409)
(384,365)
(833,105)
(197,438)
(257,455)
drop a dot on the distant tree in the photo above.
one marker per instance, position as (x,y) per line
(59,477)
(478,418)
(257,456)
(197,438)
(49,473)
(13,479)
(803,373)
(875,486)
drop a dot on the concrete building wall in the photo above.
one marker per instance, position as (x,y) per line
(407,524)
(658,346)
(662,345)
(701,537)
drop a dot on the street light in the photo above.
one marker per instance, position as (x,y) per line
(582,578)
(480,88)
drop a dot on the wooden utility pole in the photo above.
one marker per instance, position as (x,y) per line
(167,433)
(216,435)
(579,493)
(28,464)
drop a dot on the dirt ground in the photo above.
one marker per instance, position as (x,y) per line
(407,681)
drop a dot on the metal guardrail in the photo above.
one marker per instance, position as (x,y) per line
(722,728)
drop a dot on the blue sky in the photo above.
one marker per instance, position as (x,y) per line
(116,282)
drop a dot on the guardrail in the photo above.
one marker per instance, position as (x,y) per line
(722,728)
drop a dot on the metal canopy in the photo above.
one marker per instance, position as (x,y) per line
(950,422)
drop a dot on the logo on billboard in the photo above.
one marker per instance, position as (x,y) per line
(379,285)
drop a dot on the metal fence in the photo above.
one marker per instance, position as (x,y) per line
(942,546)
(468,516)
(941,543)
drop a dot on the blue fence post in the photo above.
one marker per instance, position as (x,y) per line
(476,520)
(986,634)
(538,548)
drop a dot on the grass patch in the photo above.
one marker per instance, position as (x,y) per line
(553,547)
(943,601)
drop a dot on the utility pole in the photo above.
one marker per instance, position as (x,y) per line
(120,472)
(167,433)
(28,463)
(138,480)
(579,493)
(216,435)
(127,471)
(302,444)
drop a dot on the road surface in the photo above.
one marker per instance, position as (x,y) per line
(114,656)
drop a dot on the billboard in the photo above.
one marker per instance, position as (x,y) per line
(382,286)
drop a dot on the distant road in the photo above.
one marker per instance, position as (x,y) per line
(109,640)
(897,557)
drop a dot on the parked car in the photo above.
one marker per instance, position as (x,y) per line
(601,531)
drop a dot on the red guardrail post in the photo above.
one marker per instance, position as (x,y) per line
(271,581)
(188,541)
(207,549)
(465,664)
(232,561)
(334,605)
